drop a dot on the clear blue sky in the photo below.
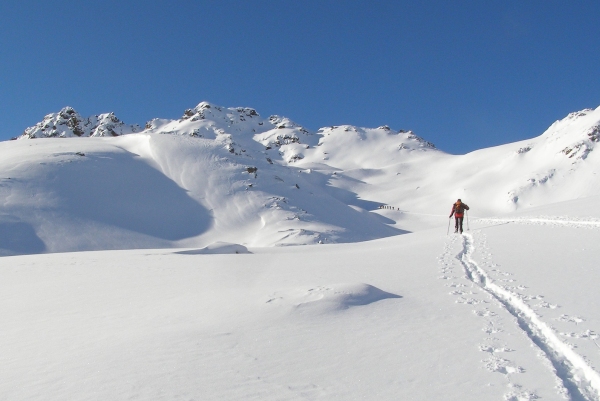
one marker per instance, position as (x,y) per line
(462,74)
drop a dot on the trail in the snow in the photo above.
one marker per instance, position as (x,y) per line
(547,220)
(497,344)
(581,380)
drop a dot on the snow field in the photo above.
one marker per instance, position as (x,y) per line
(489,315)
(558,261)
(347,321)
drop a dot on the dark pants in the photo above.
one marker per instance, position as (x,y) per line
(458,223)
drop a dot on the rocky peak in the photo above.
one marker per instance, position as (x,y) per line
(422,143)
(284,122)
(206,110)
(69,123)
(577,114)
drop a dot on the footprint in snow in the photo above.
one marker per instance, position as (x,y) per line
(471,301)
(492,349)
(455,285)
(523,287)
(547,305)
(532,297)
(447,277)
(502,273)
(570,319)
(501,365)
(521,396)
(584,334)
(485,313)
(491,329)
(461,292)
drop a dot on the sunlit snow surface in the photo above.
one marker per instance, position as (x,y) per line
(230,175)
(184,291)
(406,317)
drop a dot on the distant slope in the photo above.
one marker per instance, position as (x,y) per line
(228,174)
(152,191)
(558,165)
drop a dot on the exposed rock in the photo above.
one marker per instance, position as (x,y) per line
(68,123)
(523,149)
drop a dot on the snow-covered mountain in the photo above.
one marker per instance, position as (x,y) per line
(556,166)
(506,311)
(229,174)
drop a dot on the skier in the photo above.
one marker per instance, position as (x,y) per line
(458,210)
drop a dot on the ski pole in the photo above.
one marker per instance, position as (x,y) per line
(468,229)
(448,231)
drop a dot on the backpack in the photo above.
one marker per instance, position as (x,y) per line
(459,208)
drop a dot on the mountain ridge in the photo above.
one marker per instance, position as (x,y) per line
(228,174)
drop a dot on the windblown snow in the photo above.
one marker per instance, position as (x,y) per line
(152,263)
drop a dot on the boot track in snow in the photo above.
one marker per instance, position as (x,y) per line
(581,380)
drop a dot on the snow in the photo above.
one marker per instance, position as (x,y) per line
(386,319)
(218,248)
(154,265)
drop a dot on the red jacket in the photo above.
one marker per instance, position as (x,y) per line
(458,209)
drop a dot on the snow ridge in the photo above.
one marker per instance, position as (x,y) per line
(582,381)
(284,184)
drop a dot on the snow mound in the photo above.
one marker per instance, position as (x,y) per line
(327,298)
(218,248)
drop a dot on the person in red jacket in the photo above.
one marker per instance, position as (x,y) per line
(458,210)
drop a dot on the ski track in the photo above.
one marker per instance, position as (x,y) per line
(497,344)
(576,378)
(547,220)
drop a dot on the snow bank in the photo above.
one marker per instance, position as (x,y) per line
(217,248)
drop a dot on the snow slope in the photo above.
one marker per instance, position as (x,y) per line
(558,165)
(507,311)
(147,190)
(211,310)
(228,174)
